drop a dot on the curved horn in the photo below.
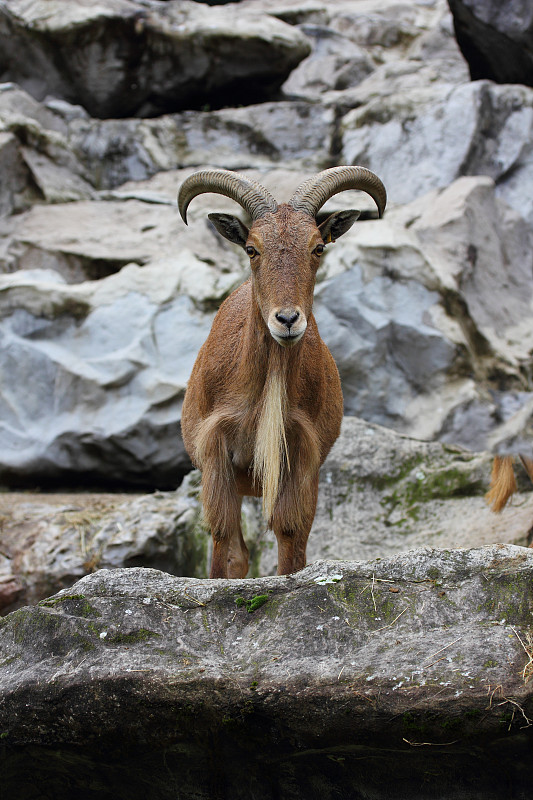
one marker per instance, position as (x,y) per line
(253,197)
(311,195)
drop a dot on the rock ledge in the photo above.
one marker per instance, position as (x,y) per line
(337,675)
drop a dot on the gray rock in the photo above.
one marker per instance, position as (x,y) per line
(413,306)
(424,139)
(495,39)
(409,314)
(69,155)
(336,63)
(128,58)
(295,133)
(155,683)
(108,363)
(50,541)
(427,312)
(13,175)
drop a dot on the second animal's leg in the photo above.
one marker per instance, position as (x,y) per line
(292,520)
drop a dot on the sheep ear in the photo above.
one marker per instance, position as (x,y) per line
(337,224)
(230,227)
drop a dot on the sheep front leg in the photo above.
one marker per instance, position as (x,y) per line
(222,508)
(292,520)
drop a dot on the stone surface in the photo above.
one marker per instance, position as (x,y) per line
(50,541)
(336,63)
(496,39)
(423,138)
(120,368)
(124,58)
(342,675)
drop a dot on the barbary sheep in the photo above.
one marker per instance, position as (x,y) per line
(264,404)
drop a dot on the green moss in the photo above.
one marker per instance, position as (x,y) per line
(75,605)
(27,623)
(7,661)
(140,635)
(417,482)
(509,597)
(253,603)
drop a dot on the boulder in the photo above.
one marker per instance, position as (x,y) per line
(496,39)
(125,58)
(411,308)
(108,363)
(380,492)
(14,177)
(140,684)
(434,338)
(336,63)
(51,540)
(422,137)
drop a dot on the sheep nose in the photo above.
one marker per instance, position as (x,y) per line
(287,318)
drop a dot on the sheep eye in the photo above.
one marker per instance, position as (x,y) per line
(251,251)
(319,249)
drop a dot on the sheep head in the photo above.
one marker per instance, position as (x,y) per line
(284,242)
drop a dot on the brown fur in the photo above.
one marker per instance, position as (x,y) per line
(259,417)
(503,482)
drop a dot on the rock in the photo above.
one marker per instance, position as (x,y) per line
(495,39)
(13,175)
(336,63)
(149,682)
(422,142)
(296,133)
(127,58)
(70,156)
(489,259)
(110,361)
(50,541)
(379,493)
(432,273)
(435,337)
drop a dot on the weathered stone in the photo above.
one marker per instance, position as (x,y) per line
(336,63)
(414,663)
(424,138)
(70,155)
(49,543)
(496,39)
(125,58)
(108,361)
(411,307)
(384,286)
(13,175)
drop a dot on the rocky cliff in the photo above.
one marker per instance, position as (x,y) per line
(399,663)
